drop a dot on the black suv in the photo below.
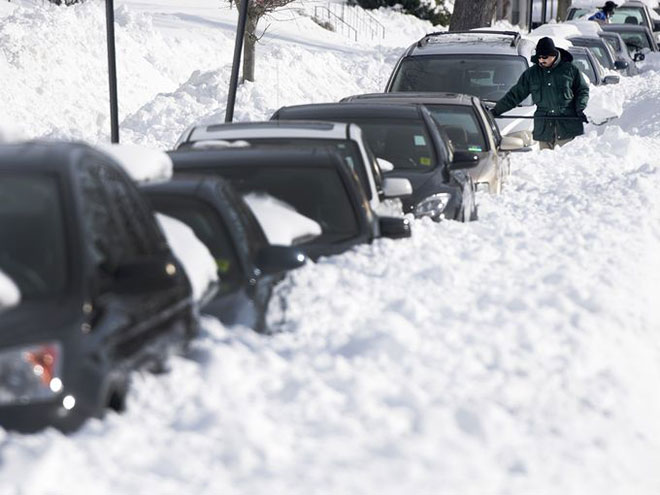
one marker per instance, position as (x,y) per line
(102,293)
(407,136)
(314,181)
(248,267)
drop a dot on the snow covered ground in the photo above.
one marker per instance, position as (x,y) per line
(517,354)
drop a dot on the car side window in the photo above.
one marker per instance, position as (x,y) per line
(493,124)
(98,221)
(136,238)
(121,226)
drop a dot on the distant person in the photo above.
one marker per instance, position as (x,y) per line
(559,92)
(604,14)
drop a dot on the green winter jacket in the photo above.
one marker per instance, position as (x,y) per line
(559,90)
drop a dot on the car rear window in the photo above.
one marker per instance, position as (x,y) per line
(32,234)
(405,143)
(318,193)
(461,125)
(487,76)
(635,41)
(348,150)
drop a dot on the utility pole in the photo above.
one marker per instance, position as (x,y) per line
(238,47)
(544,12)
(112,70)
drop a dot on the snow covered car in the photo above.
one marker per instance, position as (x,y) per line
(620,51)
(470,127)
(101,291)
(638,39)
(315,181)
(248,266)
(346,139)
(590,67)
(483,63)
(601,50)
(406,135)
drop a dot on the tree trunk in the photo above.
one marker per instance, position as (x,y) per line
(249,45)
(562,9)
(470,14)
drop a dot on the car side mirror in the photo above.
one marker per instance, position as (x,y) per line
(463,160)
(395,187)
(394,227)
(511,143)
(621,65)
(611,80)
(385,165)
(638,57)
(144,275)
(277,259)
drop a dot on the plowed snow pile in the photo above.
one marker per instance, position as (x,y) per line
(516,355)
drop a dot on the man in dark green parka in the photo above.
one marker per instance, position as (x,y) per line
(558,89)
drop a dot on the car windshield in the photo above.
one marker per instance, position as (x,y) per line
(628,15)
(599,52)
(583,63)
(209,228)
(614,43)
(487,76)
(32,234)
(315,192)
(405,143)
(348,150)
(635,41)
(461,126)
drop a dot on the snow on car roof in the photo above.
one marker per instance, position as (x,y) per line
(270,129)
(195,257)
(142,164)
(9,292)
(281,223)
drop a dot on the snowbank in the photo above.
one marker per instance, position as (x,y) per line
(193,255)
(281,223)
(141,163)
(9,293)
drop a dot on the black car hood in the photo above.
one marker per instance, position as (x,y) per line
(37,321)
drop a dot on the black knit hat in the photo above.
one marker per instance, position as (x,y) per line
(545,47)
(609,6)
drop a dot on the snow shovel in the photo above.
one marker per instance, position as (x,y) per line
(553,117)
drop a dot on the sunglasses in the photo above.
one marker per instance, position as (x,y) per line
(544,57)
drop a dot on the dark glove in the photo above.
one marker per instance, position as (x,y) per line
(583,116)
(493,112)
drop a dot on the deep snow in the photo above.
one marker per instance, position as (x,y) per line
(517,354)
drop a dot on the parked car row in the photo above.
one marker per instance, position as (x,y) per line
(102,292)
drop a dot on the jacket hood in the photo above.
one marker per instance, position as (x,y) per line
(563,54)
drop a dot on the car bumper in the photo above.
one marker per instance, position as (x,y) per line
(32,417)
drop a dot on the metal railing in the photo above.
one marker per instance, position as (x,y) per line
(350,20)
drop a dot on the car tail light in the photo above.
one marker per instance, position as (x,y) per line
(30,373)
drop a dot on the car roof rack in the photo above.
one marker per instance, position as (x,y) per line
(515,34)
